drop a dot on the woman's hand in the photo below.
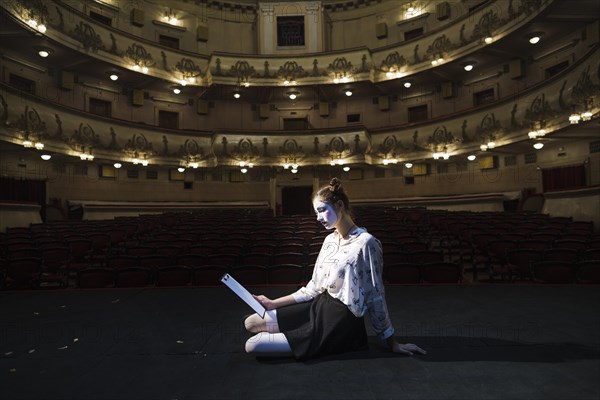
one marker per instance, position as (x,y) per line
(407,348)
(267,303)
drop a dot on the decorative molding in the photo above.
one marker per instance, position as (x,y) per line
(87,36)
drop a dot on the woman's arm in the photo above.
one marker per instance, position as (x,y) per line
(273,304)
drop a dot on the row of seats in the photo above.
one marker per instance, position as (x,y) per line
(480,240)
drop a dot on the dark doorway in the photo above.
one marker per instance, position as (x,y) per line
(296,200)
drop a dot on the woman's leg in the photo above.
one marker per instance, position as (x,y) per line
(268,339)
(255,324)
(268,343)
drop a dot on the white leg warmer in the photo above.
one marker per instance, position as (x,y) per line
(256,324)
(264,342)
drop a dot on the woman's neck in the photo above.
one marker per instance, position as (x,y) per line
(345,226)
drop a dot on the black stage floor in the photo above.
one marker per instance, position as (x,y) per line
(483,342)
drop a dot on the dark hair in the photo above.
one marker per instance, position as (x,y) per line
(333,193)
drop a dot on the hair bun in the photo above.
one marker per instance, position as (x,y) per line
(334,184)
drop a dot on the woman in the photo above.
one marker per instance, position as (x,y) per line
(326,316)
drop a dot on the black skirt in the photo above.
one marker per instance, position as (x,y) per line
(323,326)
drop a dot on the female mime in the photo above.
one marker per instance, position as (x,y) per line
(327,315)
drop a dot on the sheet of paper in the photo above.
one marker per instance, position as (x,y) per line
(243,294)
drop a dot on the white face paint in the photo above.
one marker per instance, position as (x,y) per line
(326,215)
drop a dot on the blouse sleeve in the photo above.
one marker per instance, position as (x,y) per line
(311,290)
(307,292)
(373,289)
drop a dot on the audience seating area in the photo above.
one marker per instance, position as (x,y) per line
(195,249)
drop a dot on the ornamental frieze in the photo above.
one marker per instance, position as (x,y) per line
(87,36)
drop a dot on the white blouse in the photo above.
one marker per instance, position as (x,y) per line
(350,271)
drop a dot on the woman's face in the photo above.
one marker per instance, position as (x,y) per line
(326,214)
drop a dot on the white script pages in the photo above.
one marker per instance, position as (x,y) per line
(243,294)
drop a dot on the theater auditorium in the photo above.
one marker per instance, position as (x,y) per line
(149,147)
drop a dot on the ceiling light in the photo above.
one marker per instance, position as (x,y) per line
(194,165)
(471,157)
(27,143)
(538,145)
(574,118)
(46,157)
(237,95)
(293,95)
(348,92)
(181,169)
(488,39)
(483,147)
(244,170)
(408,165)
(491,145)
(246,84)
(407,84)
(346,168)
(114,77)
(468,67)
(586,116)
(176,90)
(42,28)
(389,74)
(44,53)
(535,37)
(39,145)
(117,165)
(294,171)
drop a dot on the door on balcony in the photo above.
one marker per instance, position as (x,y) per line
(296,200)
